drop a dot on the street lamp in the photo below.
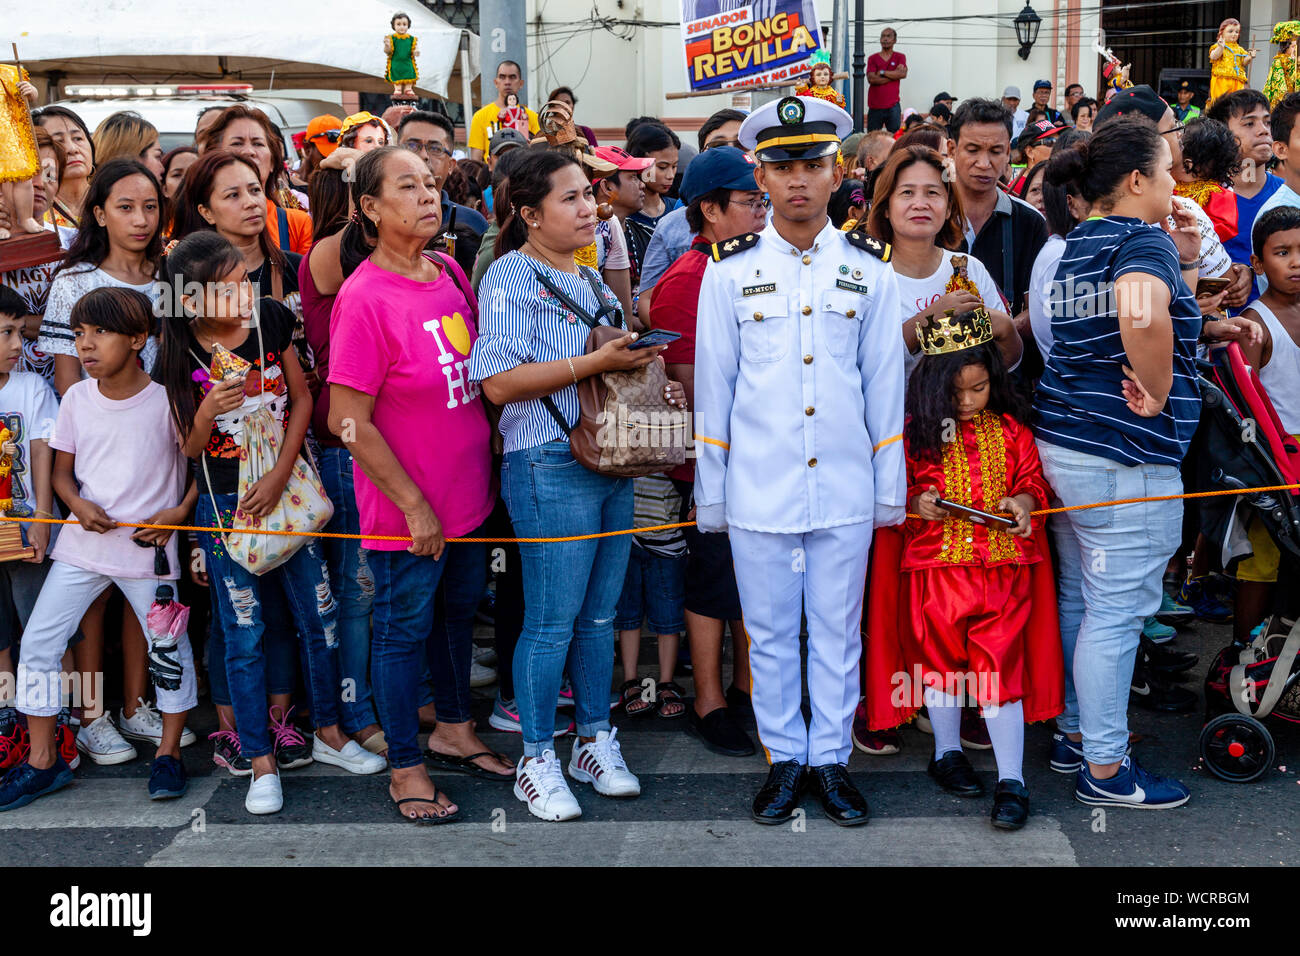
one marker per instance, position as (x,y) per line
(1027,24)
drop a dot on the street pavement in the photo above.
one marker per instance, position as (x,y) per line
(693,810)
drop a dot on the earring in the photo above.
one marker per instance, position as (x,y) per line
(533,224)
(604,212)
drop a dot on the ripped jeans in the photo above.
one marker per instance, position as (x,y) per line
(354,588)
(570,588)
(237,597)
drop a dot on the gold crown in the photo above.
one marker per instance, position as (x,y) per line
(953,333)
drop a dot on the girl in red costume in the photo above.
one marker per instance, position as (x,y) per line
(972,610)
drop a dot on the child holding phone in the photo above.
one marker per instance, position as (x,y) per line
(966,588)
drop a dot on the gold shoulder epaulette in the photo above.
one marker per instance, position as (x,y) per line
(881,250)
(730,247)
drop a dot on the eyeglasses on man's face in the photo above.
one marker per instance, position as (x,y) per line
(755,205)
(431,149)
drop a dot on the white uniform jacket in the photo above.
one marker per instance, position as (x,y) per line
(798,387)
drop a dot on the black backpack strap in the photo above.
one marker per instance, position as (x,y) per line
(603,308)
(555,413)
(1008,258)
(569,304)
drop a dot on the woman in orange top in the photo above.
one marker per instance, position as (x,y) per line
(248,132)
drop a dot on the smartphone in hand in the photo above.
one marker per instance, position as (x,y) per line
(974,514)
(654,338)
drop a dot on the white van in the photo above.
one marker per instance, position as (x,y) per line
(174,109)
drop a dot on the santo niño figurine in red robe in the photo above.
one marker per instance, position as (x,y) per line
(970,611)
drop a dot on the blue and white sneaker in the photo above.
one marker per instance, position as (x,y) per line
(1156,632)
(24,783)
(1173,611)
(167,778)
(1130,787)
(1067,755)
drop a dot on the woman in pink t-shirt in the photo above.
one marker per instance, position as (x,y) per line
(400,337)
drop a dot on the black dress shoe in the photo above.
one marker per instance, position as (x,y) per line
(1010,805)
(719,732)
(779,796)
(739,703)
(841,801)
(955,774)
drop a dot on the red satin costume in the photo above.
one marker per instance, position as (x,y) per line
(955,597)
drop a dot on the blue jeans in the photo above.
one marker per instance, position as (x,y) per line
(1110,563)
(280,647)
(654,588)
(414,617)
(238,597)
(570,588)
(354,590)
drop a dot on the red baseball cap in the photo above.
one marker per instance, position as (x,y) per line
(621,159)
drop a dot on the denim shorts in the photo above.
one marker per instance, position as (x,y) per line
(654,587)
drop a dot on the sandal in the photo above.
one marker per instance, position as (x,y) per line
(633,704)
(670,693)
(454,764)
(426,821)
(376,743)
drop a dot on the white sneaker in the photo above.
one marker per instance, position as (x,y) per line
(480,675)
(353,757)
(146,724)
(600,763)
(540,784)
(264,794)
(485,656)
(100,741)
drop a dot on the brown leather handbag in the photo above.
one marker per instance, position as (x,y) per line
(625,426)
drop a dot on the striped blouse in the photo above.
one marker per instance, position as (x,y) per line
(1080,401)
(520,321)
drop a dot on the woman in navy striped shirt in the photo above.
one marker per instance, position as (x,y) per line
(530,347)
(1117,406)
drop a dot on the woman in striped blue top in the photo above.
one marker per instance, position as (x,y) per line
(530,347)
(1117,406)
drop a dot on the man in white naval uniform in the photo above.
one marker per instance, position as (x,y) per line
(799,420)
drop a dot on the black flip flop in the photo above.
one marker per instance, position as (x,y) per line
(427,821)
(466,765)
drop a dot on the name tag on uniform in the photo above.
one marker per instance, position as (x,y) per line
(758,289)
(850,286)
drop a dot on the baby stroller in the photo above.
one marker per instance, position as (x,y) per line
(1242,444)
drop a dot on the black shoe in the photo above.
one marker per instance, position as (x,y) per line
(1165,661)
(954,773)
(841,801)
(1010,805)
(739,703)
(1156,693)
(719,732)
(779,796)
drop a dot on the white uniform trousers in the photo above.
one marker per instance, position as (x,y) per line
(65,597)
(823,573)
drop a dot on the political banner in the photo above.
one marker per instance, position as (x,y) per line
(730,43)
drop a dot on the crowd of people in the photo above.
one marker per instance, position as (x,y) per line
(895,345)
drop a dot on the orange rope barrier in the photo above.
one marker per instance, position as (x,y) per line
(611,534)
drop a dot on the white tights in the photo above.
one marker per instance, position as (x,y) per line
(1006,724)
